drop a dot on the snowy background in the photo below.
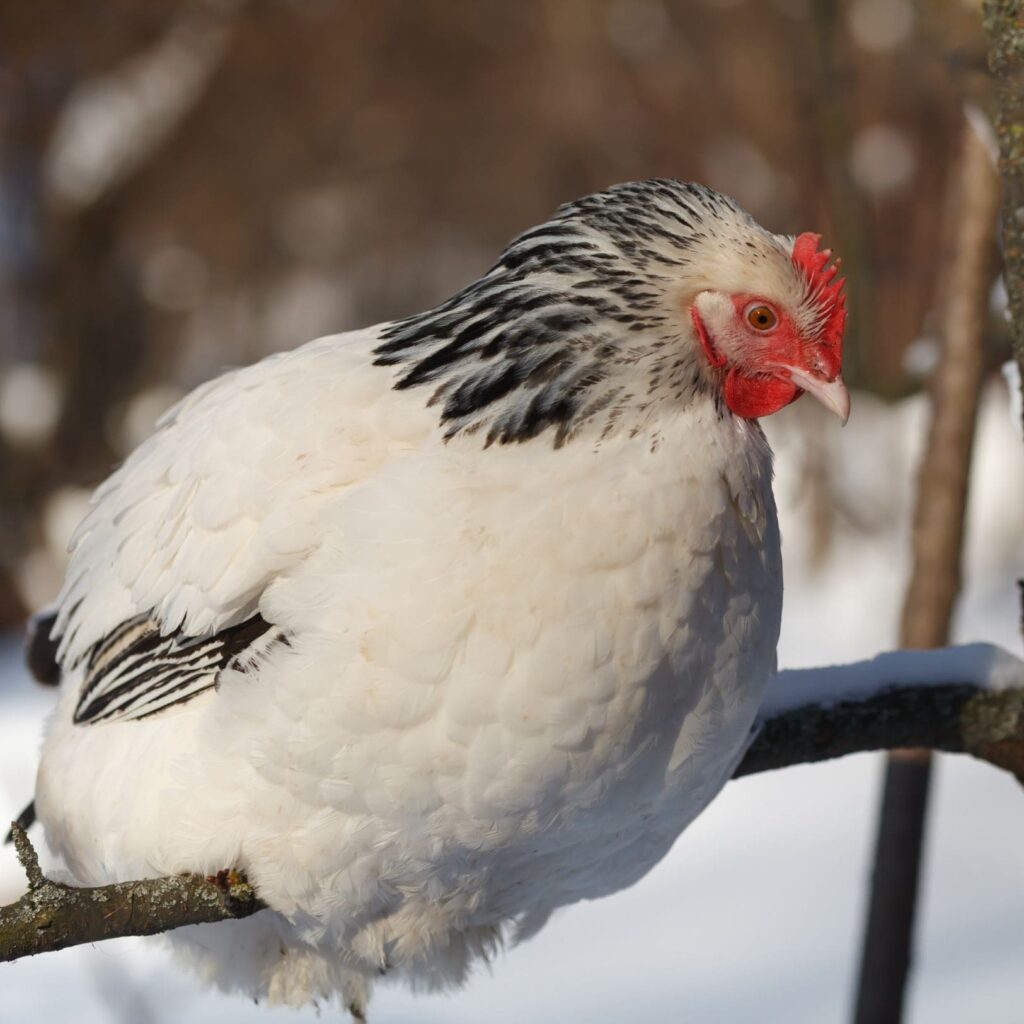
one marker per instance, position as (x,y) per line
(756,913)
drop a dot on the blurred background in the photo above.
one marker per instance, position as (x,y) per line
(186,186)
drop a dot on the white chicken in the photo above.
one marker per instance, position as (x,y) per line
(435,627)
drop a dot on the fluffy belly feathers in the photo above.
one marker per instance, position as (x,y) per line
(497,700)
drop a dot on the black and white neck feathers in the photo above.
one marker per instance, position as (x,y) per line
(580,324)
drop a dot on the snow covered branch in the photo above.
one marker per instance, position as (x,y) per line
(966,700)
(960,699)
(52,915)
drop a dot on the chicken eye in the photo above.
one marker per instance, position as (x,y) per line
(761,317)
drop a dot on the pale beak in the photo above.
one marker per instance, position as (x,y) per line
(831,393)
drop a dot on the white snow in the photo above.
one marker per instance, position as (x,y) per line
(985,666)
(755,915)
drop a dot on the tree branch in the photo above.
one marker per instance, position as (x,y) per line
(52,915)
(961,699)
(958,719)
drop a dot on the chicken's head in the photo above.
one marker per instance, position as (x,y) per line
(770,343)
(650,299)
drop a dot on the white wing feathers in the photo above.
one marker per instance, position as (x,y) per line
(186,537)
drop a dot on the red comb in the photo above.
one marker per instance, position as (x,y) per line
(825,287)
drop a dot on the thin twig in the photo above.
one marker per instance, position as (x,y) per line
(27,857)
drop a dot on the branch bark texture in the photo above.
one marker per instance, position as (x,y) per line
(52,915)
(956,718)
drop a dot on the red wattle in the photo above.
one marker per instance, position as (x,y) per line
(752,397)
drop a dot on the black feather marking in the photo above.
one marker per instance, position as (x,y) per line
(481,390)
(41,649)
(595,283)
(427,369)
(25,820)
(135,672)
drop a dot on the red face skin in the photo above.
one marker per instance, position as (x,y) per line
(763,385)
(774,363)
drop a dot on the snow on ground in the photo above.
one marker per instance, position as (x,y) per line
(755,914)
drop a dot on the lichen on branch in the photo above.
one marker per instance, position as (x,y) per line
(52,915)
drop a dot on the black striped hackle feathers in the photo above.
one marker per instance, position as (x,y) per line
(575,322)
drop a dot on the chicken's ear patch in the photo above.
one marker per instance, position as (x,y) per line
(824,288)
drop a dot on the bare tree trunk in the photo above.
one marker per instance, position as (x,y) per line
(1004,22)
(935,579)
